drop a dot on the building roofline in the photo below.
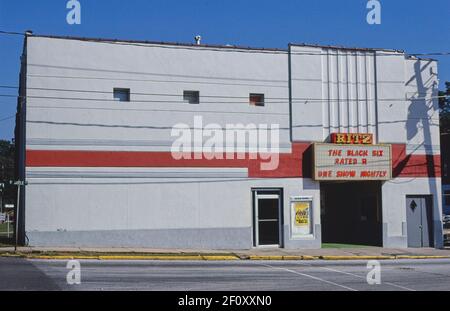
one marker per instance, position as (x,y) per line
(339,47)
(360,49)
(164,43)
(226,47)
(413,57)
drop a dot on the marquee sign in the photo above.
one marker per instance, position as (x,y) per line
(352,162)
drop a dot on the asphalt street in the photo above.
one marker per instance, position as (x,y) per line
(399,275)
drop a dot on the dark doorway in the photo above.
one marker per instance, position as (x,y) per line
(419,221)
(351,213)
(267,211)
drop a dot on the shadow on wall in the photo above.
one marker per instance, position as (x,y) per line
(419,120)
(420,113)
(421,110)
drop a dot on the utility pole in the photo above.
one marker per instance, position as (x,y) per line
(18,183)
(2,186)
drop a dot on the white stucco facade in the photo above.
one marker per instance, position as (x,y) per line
(72,125)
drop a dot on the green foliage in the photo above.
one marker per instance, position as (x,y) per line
(7,154)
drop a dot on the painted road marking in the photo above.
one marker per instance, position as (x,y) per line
(358,276)
(355,275)
(310,276)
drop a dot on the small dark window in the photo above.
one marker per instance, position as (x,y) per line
(256,100)
(122,95)
(191,97)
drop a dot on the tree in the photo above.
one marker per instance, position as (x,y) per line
(444,107)
(7,160)
(7,153)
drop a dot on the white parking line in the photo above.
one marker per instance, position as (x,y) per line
(358,276)
(310,276)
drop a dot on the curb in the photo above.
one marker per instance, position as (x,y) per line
(57,257)
(420,257)
(216,257)
(128,257)
(357,257)
(259,257)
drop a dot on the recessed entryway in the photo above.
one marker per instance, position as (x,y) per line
(351,213)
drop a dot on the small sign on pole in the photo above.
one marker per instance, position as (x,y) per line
(8,221)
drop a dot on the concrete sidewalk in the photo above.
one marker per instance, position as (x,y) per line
(253,254)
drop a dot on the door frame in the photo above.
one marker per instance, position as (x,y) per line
(267,193)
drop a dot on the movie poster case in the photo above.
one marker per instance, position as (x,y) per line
(301,217)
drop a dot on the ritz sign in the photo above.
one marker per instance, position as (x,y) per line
(352,157)
(351,138)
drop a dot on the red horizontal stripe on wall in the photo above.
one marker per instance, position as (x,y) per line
(417,165)
(290,165)
(295,164)
(63,158)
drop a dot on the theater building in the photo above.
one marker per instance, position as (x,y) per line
(356,131)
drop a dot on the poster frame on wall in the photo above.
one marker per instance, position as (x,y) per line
(297,231)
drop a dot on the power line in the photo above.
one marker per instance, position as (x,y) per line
(158,74)
(131,101)
(164,110)
(133,93)
(194,79)
(8,118)
(282,100)
(284,86)
(261,82)
(432,54)
(296,101)
(193,128)
(13,33)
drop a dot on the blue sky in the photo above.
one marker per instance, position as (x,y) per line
(413,25)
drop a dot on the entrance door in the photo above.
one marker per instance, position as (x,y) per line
(419,221)
(267,218)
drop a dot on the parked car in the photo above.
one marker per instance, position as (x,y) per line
(446,221)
